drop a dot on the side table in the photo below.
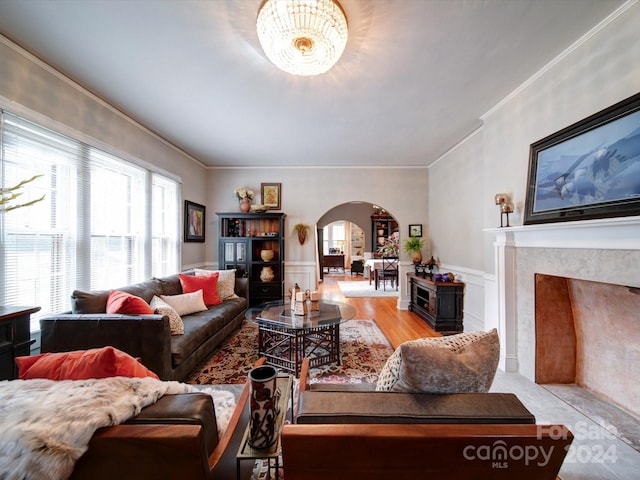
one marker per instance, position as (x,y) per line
(15,338)
(284,383)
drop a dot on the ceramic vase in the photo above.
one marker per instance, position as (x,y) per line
(263,404)
(266,275)
(245,205)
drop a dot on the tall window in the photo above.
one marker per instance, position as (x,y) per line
(93,230)
(334,238)
(165,226)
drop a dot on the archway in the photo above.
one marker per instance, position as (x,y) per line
(375,223)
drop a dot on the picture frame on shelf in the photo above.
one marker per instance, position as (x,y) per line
(415,230)
(588,170)
(194,221)
(271,195)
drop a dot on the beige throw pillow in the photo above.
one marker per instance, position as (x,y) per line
(461,363)
(186,303)
(160,307)
(226,282)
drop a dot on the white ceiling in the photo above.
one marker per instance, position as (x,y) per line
(415,78)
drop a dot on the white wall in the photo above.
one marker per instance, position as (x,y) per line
(308,193)
(601,69)
(34,90)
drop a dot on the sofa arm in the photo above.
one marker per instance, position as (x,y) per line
(242,287)
(145,452)
(145,336)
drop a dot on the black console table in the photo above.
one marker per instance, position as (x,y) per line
(439,303)
(15,338)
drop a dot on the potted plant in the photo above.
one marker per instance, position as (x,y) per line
(413,246)
(301,230)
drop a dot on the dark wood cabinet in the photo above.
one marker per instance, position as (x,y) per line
(439,303)
(15,338)
(382,226)
(333,261)
(242,238)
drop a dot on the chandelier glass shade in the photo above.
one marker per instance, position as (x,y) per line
(302,37)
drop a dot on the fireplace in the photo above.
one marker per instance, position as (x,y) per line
(588,334)
(543,304)
(566,261)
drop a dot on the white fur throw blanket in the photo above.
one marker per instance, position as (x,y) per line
(45,426)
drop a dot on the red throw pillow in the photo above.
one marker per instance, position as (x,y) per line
(127,304)
(81,365)
(207,283)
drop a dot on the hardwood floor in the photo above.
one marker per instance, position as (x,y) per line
(398,325)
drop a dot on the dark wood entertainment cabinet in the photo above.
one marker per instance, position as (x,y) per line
(15,338)
(439,303)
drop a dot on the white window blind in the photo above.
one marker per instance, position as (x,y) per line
(164,226)
(91,231)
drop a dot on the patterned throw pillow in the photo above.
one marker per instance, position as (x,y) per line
(465,362)
(160,307)
(226,282)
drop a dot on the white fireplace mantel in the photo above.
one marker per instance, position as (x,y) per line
(602,234)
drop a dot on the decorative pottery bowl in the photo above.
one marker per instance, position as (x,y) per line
(267,255)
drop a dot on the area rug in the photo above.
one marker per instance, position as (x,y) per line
(363,347)
(363,289)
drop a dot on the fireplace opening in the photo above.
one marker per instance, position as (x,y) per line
(588,349)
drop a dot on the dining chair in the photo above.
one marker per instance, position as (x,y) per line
(388,272)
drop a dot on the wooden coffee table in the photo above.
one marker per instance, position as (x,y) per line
(284,339)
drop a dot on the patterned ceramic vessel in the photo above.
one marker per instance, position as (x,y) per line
(267,275)
(264,401)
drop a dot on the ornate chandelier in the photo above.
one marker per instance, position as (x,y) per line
(302,37)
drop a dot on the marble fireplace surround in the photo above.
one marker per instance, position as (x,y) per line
(605,251)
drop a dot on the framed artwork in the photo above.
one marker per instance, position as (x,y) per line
(415,230)
(194,221)
(588,170)
(271,195)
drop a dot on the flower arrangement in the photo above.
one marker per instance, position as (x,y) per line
(390,248)
(244,193)
(11,193)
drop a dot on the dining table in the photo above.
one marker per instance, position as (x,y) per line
(371,267)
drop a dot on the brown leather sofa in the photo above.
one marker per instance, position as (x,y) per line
(175,438)
(148,337)
(344,433)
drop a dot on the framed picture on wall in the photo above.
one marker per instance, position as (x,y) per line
(271,195)
(194,221)
(588,170)
(415,230)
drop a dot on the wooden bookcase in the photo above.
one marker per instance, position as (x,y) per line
(382,226)
(241,238)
